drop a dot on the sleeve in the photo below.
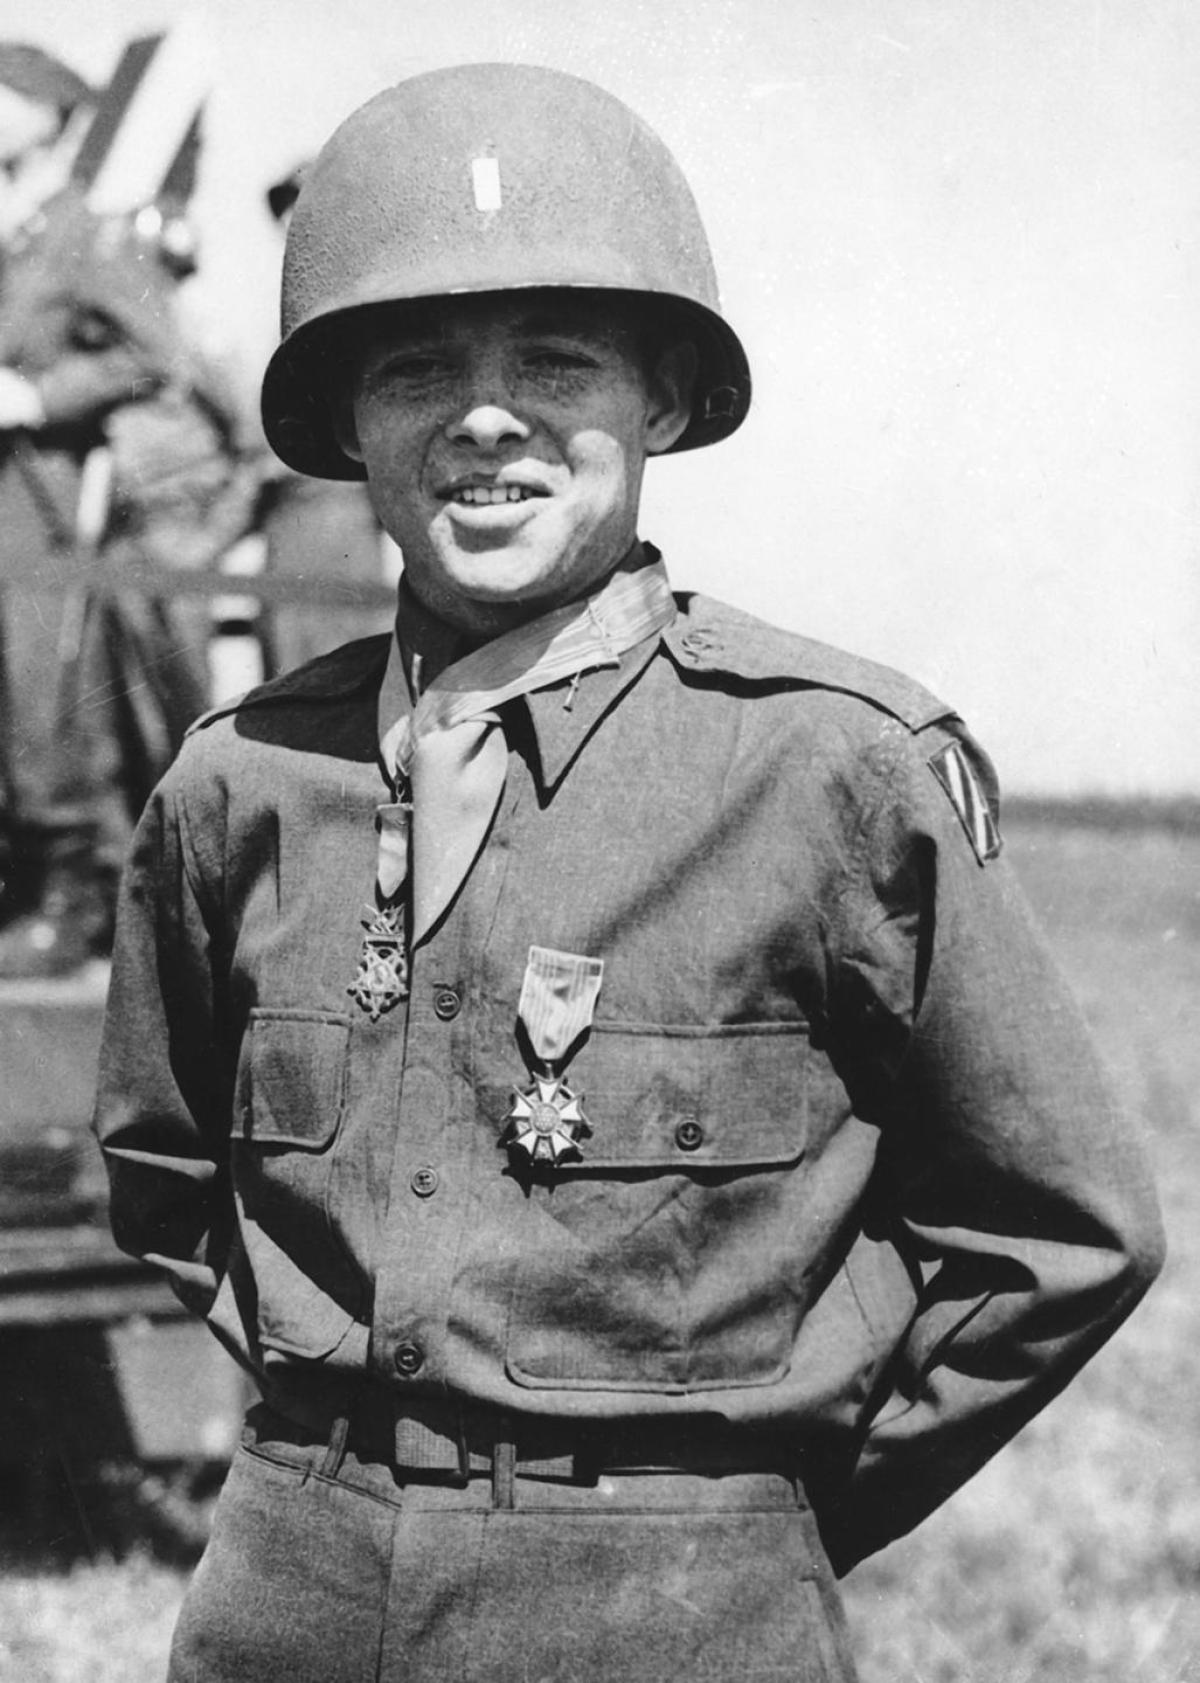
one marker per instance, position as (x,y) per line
(107,356)
(165,1083)
(84,386)
(1009,1177)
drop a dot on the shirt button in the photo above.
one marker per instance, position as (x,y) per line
(408,1359)
(424,1181)
(688,1135)
(446,1004)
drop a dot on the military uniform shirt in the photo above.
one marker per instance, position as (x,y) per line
(854,1176)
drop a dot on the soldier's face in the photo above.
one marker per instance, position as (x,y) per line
(504,438)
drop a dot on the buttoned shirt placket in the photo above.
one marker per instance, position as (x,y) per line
(435,1167)
(444,1165)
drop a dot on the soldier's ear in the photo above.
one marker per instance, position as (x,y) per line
(345,428)
(671,387)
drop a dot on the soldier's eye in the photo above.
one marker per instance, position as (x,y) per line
(414,367)
(554,358)
(417,366)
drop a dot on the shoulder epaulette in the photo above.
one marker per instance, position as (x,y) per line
(330,677)
(711,636)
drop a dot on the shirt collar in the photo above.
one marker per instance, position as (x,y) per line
(563,715)
(425,642)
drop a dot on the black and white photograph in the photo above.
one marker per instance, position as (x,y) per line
(599,841)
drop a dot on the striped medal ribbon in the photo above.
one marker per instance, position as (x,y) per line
(447,758)
(556,1007)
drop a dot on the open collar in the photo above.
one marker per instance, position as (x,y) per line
(565,715)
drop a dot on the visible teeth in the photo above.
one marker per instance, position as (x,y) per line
(492,494)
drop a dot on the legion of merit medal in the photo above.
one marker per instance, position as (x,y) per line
(546,1121)
(382,977)
(558,1000)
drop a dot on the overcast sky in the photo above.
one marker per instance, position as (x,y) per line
(961,241)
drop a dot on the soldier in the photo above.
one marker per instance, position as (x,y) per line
(45,108)
(116,435)
(692,1168)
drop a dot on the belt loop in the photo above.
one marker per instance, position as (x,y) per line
(592,1450)
(335,1453)
(504,1465)
(461,1445)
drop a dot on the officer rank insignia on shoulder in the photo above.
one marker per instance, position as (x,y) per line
(953,771)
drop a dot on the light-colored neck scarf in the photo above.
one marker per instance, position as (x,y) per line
(446,755)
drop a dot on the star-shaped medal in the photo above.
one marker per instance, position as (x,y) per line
(382,978)
(546,1122)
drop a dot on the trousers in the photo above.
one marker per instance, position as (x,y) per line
(323,1567)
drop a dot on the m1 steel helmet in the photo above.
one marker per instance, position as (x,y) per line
(488,178)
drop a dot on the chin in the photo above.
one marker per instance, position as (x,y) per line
(498,586)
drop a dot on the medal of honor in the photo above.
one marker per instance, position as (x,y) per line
(381,980)
(382,977)
(558,1000)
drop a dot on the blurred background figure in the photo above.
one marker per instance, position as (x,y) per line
(318,529)
(45,109)
(118,439)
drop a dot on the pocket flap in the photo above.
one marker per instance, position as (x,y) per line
(686,1099)
(292,1080)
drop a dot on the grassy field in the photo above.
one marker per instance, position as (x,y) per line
(1074,1557)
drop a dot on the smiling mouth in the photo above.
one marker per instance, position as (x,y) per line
(480,496)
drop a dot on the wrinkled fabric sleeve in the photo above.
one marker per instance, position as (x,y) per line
(1012,1181)
(164,1089)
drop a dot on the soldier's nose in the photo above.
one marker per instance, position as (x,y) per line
(488,425)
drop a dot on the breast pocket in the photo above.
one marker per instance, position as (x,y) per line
(288,1111)
(291,1088)
(662,1261)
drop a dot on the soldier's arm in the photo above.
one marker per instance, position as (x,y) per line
(165,1085)
(102,366)
(1011,1175)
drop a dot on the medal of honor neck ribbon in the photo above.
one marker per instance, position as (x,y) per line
(445,756)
